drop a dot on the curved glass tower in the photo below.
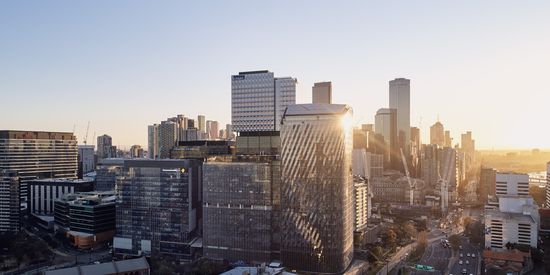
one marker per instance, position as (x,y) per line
(317,188)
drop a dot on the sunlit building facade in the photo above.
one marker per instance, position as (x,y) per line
(317,188)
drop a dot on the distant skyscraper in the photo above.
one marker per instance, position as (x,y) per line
(212,129)
(230,134)
(152,141)
(167,138)
(322,93)
(416,147)
(437,134)
(86,159)
(400,100)
(10,205)
(136,151)
(448,140)
(105,148)
(317,188)
(386,125)
(258,100)
(201,121)
(38,155)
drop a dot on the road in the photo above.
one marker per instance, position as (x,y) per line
(469,264)
(435,255)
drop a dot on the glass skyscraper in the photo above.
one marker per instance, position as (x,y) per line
(317,188)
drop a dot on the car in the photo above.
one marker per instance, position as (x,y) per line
(467,254)
(464,271)
(467,262)
(461,255)
(459,262)
(460,247)
(473,255)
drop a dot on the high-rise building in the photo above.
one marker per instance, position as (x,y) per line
(416,147)
(258,100)
(212,129)
(136,151)
(105,148)
(437,134)
(167,138)
(467,144)
(152,141)
(487,184)
(362,203)
(201,123)
(516,219)
(385,124)
(159,207)
(317,188)
(367,164)
(448,140)
(86,159)
(400,100)
(321,93)
(38,155)
(240,207)
(10,205)
(107,171)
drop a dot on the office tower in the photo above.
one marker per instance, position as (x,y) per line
(168,134)
(487,184)
(136,151)
(43,193)
(201,121)
(10,204)
(512,184)
(516,219)
(400,100)
(230,134)
(467,144)
(238,209)
(322,93)
(548,185)
(105,148)
(190,123)
(437,134)
(152,141)
(430,164)
(544,236)
(212,129)
(107,171)
(190,134)
(86,159)
(448,140)
(258,100)
(317,188)
(367,164)
(385,124)
(38,155)
(159,207)
(221,134)
(86,218)
(362,203)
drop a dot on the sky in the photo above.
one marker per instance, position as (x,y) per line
(480,66)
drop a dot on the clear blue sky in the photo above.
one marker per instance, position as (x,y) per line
(480,65)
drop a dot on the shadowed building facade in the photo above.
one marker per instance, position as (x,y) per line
(317,188)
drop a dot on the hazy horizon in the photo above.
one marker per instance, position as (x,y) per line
(123,65)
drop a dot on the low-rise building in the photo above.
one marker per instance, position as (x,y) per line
(202,149)
(87,218)
(138,266)
(43,193)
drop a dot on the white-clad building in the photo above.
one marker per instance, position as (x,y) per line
(259,99)
(516,219)
(548,185)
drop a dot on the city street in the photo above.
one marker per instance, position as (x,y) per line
(469,264)
(435,255)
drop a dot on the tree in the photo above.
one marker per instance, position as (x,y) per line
(454,240)
(423,238)
(410,231)
(389,237)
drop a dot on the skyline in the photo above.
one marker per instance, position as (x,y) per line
(83,62)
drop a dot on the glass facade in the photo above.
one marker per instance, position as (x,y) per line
(240,207)
(317,188)
(159,207)
(9,202)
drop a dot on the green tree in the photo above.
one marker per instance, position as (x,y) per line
(389,237)
(410,231)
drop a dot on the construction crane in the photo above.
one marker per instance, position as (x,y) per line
(412,185)
(444,184)
(86,136)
